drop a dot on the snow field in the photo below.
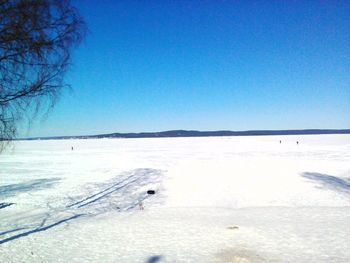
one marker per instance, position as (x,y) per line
(291,203)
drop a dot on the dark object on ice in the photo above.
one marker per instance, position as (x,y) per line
(3,205)
(72,148)
(280,141)
(297,142)
(151,192)
(154,259)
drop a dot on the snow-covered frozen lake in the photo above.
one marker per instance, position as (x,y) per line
(218,199)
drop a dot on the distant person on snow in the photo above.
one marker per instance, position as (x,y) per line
(72,148)
(297,142)
(141,207)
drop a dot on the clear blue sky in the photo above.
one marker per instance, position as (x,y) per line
(207,65)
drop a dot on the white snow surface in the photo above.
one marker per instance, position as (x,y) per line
(218,199)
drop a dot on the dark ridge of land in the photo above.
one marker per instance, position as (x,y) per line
(190,133)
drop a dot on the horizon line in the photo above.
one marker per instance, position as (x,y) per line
(194,133)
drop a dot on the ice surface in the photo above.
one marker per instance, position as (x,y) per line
(218,199)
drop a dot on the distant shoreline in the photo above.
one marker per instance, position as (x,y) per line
(194,133)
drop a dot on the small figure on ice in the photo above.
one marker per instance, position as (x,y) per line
(72,148)
(141,207)
(297,142)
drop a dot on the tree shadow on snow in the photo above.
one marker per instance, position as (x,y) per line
(4,205)
(11,231)
(41,228)
(122,193)
(329,181)
(33,185)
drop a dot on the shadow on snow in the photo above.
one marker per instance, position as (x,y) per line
(329,181)
(33,185)
(39,229)
(122,193)
(3,205)
(11,231)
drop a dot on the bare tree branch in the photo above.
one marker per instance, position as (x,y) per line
(36,39)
